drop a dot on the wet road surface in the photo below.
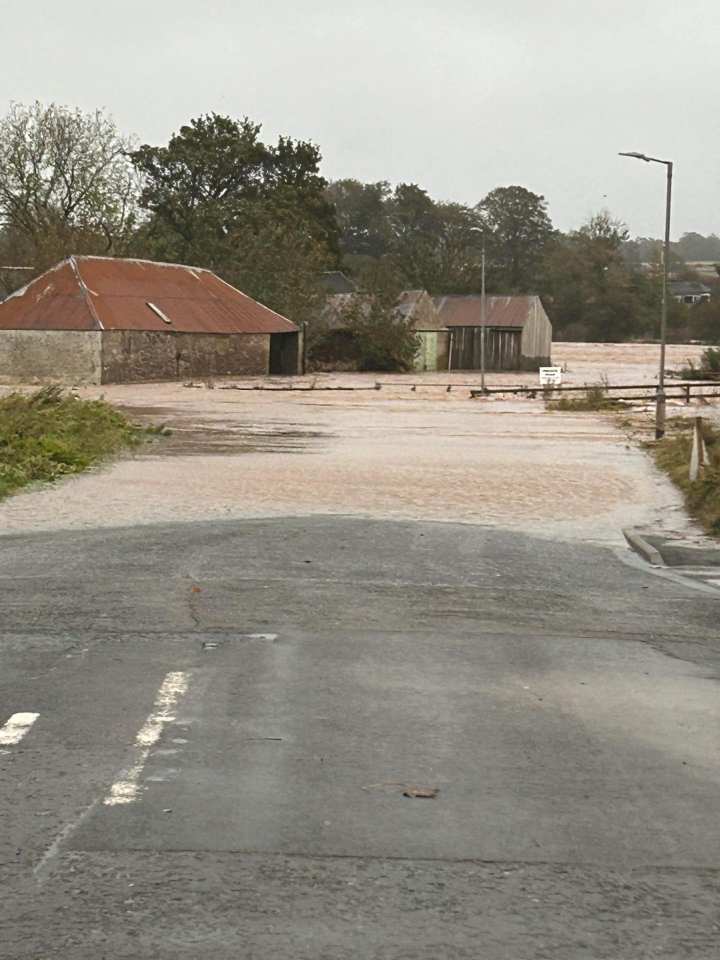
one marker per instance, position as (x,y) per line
(216,725)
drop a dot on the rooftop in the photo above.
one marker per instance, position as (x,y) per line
(465,310)
(106,293)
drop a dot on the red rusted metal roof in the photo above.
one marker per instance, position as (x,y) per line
(102,293)
(465,310)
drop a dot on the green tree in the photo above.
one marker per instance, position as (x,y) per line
(518,229)
(206,182)
(279,263)
(362,217)
(590,291)
(218,197)
(386,340)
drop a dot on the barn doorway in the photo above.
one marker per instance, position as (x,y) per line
(502,348)
(284,354)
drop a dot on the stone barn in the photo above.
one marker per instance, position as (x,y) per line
(518,332)
(105,320)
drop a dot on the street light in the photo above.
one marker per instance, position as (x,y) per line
(482,323)
(660,399)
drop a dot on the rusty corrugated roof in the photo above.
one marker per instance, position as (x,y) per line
(458,310)
(102,293)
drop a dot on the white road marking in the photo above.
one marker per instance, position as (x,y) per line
(173,687)
(16,728)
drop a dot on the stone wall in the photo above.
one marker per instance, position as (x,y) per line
(60,356)
(131,356)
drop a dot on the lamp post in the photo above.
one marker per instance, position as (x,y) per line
(660,399)
(482,323)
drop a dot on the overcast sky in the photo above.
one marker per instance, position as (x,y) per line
(459,96)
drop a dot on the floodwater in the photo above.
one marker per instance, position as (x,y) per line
(398,452)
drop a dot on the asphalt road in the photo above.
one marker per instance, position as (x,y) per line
(216,725)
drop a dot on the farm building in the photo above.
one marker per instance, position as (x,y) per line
(518,333)
(104,320)
(689,292)
(432,333)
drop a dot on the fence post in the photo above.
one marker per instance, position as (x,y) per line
(698,457)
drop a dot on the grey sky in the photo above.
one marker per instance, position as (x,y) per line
(457,96)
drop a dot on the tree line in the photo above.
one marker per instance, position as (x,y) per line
(263,217)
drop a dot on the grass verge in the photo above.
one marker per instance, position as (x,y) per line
(672,454)
(50,434)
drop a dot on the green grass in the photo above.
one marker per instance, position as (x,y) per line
(50,434)
(672,454)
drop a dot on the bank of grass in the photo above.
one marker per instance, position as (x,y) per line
(672,454)
(50,434)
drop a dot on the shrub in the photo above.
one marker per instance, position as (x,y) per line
(707,369)
(48,434)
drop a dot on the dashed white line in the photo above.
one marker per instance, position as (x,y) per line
(16,727)
(173,687)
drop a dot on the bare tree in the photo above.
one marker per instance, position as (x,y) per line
(67,184)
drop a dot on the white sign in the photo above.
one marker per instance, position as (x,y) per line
(550,376)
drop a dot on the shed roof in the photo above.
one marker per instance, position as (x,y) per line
(464,310)
(335,281)
(103,293)
(688,288)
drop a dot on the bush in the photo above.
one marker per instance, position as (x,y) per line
(367,332)
(48,434)
(708,368)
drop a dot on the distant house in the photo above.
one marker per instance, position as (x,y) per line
(434,337)
(105,320)
(689,292)
(518,332)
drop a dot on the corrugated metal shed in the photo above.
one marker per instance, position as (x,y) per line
(102,293)
(458,310)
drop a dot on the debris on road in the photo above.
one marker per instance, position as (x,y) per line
(421,793)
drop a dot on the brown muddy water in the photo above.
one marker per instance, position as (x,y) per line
(186,438)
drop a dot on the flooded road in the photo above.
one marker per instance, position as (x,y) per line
(395,453)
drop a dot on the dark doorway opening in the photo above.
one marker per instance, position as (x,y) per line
(284,354)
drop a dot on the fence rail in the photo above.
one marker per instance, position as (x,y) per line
(681,391)
(685,390)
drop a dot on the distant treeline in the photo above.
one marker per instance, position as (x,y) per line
(262,216)
(690,248)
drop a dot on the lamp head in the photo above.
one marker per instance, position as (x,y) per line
(635,155)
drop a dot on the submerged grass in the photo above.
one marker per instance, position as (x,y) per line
(50,434)
(672,454)
(594,398)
